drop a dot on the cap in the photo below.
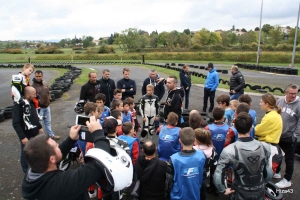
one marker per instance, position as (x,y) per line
(110,123)
(210,65)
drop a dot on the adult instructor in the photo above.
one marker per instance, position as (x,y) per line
(127,85)
(290,114)
(237,83)
(107,86)
(186,83)
(210,86)
(90,89)
(159,88)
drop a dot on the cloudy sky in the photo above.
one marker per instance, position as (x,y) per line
(58,19)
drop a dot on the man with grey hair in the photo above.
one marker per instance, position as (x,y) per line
(290,114)
(107,86)
(159,87)
(237,83)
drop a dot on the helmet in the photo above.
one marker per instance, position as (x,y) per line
(272,192)
(79,106)
(117,166)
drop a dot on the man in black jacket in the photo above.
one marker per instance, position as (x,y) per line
(159,88)
(127,85)
(174,99)
(107,86)
(237,83)
(90,89)
(151,172)
(44,181)
(185,82)
(18,123)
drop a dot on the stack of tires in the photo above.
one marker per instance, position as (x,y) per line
(5,113)
(63,83)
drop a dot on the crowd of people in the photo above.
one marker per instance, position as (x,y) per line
(232,156)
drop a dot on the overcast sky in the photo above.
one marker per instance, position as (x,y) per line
(58,19)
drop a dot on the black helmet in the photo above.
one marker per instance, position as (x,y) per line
(79,106)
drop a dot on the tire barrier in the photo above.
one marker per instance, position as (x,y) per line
(277,70)
(257,88)
(8,112)
(2,117)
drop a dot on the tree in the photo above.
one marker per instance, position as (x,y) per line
(215,38)
(88,41)
(237,30)
(266,28)
(256,29)
(187,31)
(202,37)
(248,38)
(62,43)
(172,38)
(276,35)
(110,40)
(162,38)
(153,40)
(130,40)
(292,36)
(228,38)
(243,30)
(184,40)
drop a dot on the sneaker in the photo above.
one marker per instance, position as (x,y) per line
(283,183)
(55,137)
(277,175)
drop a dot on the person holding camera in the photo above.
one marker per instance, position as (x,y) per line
(44,181)
(210,86)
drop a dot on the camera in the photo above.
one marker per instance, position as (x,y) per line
(81,120)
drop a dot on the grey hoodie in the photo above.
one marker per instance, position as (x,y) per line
(290,114)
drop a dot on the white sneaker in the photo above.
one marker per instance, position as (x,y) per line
(93,195)
(277,175)
(283,183)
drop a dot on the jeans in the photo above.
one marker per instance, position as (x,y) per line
(22,159)
(187,98)
(289,150)
(235,96)
(211,95)
(45,112)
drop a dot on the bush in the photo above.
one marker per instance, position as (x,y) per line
(254,46)
(106,49)
(246,47)
(12,51)
(77,48)
(48,50)
(218,47)
(284,47)
(196,47)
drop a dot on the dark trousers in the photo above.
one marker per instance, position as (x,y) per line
(22,159)
(288,148)
(211,95)
(187,98)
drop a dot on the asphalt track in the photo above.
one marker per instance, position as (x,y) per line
(63,115)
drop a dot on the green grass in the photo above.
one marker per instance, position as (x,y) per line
(82,78)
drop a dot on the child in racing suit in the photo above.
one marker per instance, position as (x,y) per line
(18,84)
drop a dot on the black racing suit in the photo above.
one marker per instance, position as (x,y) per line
(173,103)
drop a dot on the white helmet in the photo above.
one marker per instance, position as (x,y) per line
(117,166)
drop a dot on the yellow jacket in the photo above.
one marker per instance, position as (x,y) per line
(270,128)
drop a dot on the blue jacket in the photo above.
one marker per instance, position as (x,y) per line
(252,113)
(127,118)
(188,175)
(212,80)
(104,114)
(130,140)
(218,134)
(168,142)
(228,116)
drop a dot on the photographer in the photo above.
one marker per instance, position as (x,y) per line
(44,181)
